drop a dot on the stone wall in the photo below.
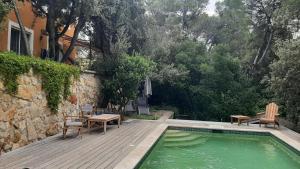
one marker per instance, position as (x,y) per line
(25,117)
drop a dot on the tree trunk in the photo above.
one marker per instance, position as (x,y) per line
(22,29)
(184,16)
(267,47)
(78,28)
(50,26)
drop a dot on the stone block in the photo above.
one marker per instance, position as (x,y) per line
(41,136)
(24,79)
(31,133)
(17,136)
(22,104)
(1,86)
(11,113)
(7,147)
(52,129)
(6,98)
(8,115)
(26,92)
(3,126)
(35,111)
(15,146)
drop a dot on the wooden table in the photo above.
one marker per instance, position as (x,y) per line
(104,118)
(240,119)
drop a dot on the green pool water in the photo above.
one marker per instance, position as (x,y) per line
(203,150)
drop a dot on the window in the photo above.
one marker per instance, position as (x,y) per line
(16,43)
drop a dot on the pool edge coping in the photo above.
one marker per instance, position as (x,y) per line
(133,159)
(136,155)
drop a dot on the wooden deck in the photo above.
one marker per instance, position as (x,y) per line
(94,150)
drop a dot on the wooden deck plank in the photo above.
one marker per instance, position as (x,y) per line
(94,150)
(102,154)
(118,148)
(116,155)
(60,154)
(46,150)
(15,156)
(87,150)
(119,157)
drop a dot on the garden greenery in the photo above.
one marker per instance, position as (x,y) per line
(56,77)
(129,73)
(4,9)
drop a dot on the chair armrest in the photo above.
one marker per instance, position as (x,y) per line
(260,114)
(73,117)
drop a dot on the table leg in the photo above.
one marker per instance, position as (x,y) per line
(119,121)
(105,127)
(89,125)
(231,120)
(239,122)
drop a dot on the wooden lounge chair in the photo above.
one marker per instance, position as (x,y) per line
(75,122)
(269,116)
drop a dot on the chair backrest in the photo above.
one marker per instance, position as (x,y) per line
(271,111)
(86,109)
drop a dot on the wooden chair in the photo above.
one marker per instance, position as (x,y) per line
(74,122)
(269,116)
(87,110)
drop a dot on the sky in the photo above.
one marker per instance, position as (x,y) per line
(210,9)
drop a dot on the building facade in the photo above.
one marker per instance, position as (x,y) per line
(10,34)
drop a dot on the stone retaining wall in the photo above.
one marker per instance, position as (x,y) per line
(25,117)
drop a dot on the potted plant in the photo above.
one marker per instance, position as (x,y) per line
(73,99)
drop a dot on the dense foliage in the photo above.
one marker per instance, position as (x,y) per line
(214,87)
(207,66)
(4,9)
(285,78)
(56,78)
(124,83)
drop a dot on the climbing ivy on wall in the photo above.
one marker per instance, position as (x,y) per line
(56,77)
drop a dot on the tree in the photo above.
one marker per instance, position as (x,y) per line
(262,16)
(288,17)
(5,6)
(61,14)
(123,86)
(226,87)
(24,37)
(4,9)
(119,21)
(285,78)
(176,15)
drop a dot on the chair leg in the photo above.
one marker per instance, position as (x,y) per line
(259,124)
(65,132)
(79,131)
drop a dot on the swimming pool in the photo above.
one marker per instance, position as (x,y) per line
(178,149)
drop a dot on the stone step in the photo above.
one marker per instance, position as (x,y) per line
(181,138)
(196,142)
(176,133)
